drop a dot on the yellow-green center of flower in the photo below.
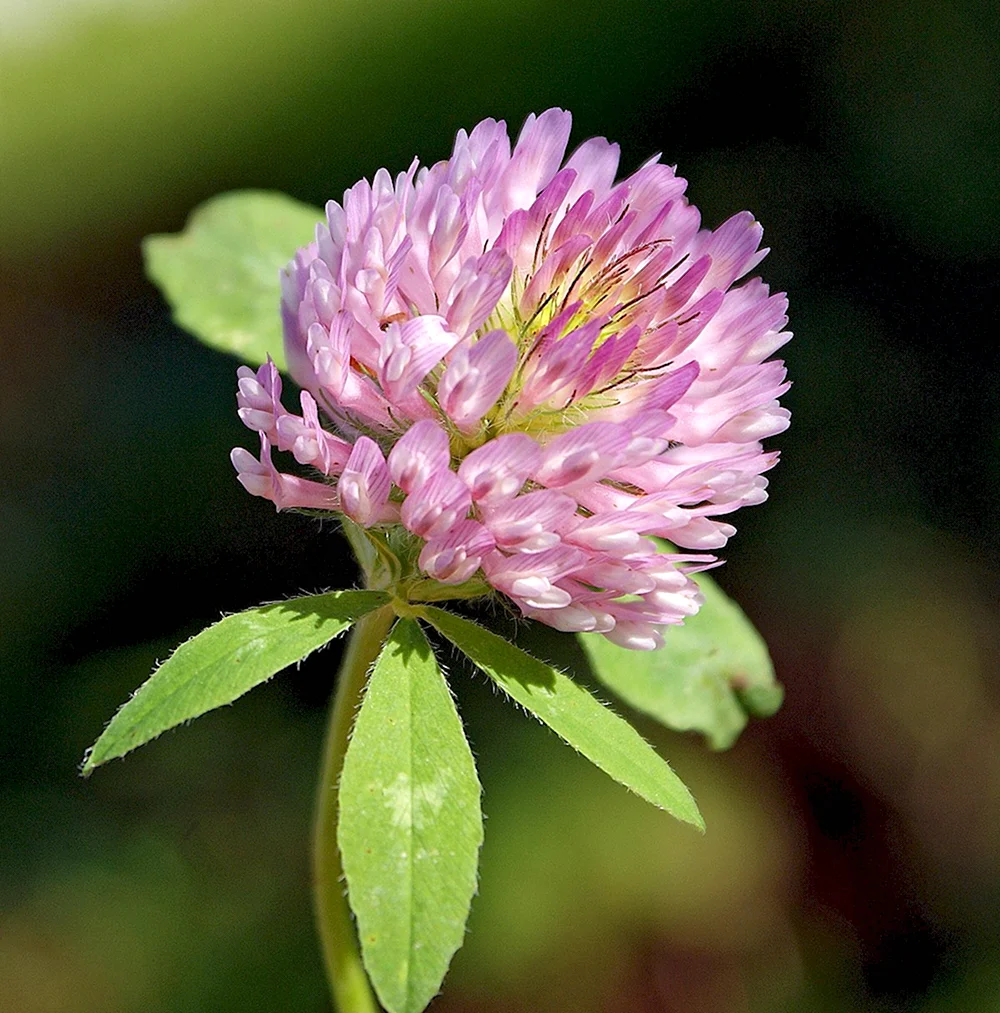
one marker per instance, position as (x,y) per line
(608,291)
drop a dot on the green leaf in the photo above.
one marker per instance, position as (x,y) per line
(607,740)
(410,824)
(221,274)
(224,661)
(709,675)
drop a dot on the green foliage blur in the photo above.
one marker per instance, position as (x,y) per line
(852,861)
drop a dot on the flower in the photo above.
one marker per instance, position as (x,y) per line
(529,370)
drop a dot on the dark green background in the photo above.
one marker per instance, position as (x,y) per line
(852,857)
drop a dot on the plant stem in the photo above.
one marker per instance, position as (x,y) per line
(344,970)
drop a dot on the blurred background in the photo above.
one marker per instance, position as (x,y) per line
(853,854)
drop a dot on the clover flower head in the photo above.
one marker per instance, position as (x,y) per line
(526,368)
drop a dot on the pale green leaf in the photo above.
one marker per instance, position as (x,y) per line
(709,675)
(410,824)
(224,661)
(221,274)
(607,740)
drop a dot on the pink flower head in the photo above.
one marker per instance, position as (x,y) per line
(527,369)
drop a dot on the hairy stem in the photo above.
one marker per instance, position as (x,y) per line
(344,970)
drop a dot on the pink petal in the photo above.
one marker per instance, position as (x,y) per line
(421,452)
(294,278)
(582,455)
(259,397)
(498,469)
(701,533)
(618,576)
(529,523)
(530,579)
(454,557)
(556,367)
(553,563)
(635,636)
(410,351)
(447,227)
(336,382)
(615,531)
(539,150)
(552,272)
(766,420)
(476,291)
(609,359)
(364,484)
(574,618)
(677,295)
(596,162)
(650,437)
(734,249)
(309,442)
(436,505)
(572,222)
(538,593)
(669,389)
(261,478)
(476,377)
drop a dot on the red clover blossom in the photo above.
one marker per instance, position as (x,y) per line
(522,371)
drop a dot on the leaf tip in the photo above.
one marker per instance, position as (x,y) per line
(762,701)
(690,813)
(87,765)
(151,247)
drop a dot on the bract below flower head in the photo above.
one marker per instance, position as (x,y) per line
(530,368)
